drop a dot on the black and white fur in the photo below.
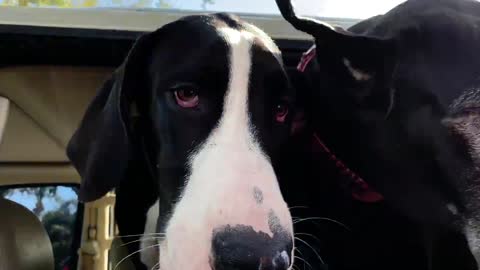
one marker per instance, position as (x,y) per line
(189,129)
(396,98)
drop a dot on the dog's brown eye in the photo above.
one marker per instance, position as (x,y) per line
(281,112)
(186,98)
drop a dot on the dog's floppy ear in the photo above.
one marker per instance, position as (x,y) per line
(101,148)
(362,63)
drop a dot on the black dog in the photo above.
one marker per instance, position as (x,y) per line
(194,118)
(392,98)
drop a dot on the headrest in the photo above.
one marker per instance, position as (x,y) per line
(24,243)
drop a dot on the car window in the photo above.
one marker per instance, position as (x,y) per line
(353,9)
(56,206)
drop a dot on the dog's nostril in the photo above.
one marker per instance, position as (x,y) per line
(281,261)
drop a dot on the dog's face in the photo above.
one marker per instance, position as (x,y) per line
(213,99)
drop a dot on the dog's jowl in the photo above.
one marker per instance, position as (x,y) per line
(196,115)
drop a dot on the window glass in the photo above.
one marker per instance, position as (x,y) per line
(325,8)
(56,207)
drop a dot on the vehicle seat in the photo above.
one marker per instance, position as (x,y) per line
(24,243)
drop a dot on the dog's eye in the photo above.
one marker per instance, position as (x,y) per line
(281,112)
(186,97)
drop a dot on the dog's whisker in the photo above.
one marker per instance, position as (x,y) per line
(308,245)
(133,253)
(143,239)
(308,234)
(304,262)
(301,254)
(324,219)
(156,266)
(142,234)
(296,219)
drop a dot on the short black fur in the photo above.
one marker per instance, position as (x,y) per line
(388,126)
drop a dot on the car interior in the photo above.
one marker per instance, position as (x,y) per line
(54,57)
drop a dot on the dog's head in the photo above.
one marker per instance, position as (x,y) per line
(382,122)
(349,75)
(212,99)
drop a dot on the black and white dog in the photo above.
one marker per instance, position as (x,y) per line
(397,98)
(195,118)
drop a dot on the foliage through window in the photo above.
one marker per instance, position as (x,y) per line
(56,207)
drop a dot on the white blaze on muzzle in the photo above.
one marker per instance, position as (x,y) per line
(231,180)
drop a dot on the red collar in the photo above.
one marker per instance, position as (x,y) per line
(358,187)
(306,58)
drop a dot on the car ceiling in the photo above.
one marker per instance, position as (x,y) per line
(48,81)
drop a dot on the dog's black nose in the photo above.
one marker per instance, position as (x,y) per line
(242,248)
